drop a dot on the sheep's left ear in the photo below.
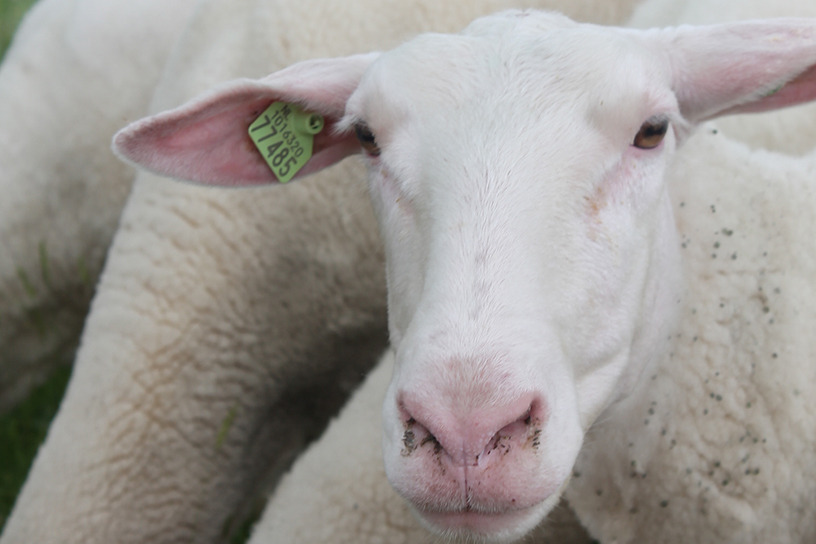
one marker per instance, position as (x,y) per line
(206,140)
(741,67)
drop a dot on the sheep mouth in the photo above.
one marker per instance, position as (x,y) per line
(497,522)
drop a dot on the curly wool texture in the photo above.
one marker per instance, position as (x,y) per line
(76,70)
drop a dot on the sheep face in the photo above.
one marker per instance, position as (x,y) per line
(532,258)
(531,255)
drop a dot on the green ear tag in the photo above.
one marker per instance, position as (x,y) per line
(284,135)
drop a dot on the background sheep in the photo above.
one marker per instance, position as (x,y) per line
(77,70)
(619,417)
(227,327)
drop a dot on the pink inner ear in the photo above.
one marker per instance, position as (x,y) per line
(798,91)
(207,141)
(329,148)
(735,67)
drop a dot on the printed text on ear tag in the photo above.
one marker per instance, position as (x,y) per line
(284,135)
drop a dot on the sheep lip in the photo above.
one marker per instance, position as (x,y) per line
(482,523)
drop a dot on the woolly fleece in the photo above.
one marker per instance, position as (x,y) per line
(76,70)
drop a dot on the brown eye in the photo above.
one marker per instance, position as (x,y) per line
(367,139)
(651,133)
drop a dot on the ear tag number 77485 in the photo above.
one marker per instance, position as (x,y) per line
(284,134)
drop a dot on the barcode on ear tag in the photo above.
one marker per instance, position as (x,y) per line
(284,134)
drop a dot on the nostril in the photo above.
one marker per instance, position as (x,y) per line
(415,435)
(524,432)
(517,427)
(466,436)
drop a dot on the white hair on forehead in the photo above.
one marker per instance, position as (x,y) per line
(539,58)
(513,21)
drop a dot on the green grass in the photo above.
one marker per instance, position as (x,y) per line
(22,430)
(11,11)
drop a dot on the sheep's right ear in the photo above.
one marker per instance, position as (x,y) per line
(206,140)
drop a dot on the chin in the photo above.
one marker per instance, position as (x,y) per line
(489,527)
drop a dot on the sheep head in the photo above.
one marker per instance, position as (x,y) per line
(533,264)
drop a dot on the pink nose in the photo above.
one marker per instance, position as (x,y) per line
(475,436)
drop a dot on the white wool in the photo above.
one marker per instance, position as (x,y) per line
(76,70)
(717,444)
(227,326)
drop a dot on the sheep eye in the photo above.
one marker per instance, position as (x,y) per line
(651,133)
(366,138)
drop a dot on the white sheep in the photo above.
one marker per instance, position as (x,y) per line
(226,328)
(348,497)
(354,498)
(534,261)
(76,70)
